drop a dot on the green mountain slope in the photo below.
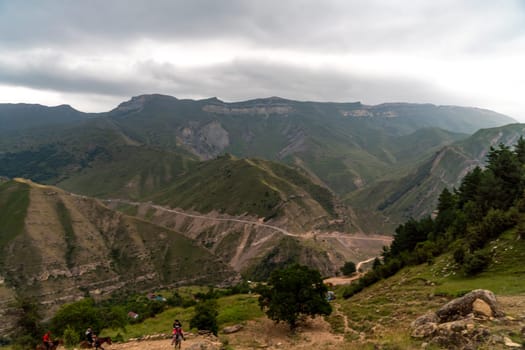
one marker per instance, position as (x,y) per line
(252,186)
(346,145)
(145,144)
(416,194)
(385,310)
(475,241)
(16,117)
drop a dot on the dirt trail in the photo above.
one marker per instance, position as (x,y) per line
(256,334)
(382,238)
(335,281)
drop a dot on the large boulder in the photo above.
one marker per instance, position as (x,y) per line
(453,325)
(461,307)
(481,308)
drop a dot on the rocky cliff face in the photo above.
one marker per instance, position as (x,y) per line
(206,141)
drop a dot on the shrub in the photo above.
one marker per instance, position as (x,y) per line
(71,337)
(459,255)
(476,262)
(205,317)
(119,338)
(175,299)
(352,290)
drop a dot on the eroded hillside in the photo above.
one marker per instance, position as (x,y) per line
(59,247)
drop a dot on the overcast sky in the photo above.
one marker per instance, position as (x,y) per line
(95,54)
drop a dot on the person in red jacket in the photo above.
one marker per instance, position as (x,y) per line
(46,339)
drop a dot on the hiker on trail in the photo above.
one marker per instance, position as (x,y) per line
(90,336)
(177,333)
(46,339)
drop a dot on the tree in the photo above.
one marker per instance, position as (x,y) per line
(348,268)
(27,330)
(409,234)
(506,183)
(77,316)
(205,317)
(377,264)
(292,293)
(446,211)
(468,190)
(519,149)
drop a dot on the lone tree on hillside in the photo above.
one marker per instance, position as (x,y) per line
(294,292)
(348,268)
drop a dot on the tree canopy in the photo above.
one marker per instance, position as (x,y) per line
(293,293)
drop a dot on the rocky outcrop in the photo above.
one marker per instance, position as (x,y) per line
(481,302)
(207,141)
(456,325)
(258,110)
(232,329)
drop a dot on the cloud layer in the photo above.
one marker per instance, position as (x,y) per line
(94,54)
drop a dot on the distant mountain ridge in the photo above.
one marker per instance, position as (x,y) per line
(146,143)
(415,194)
(311,134)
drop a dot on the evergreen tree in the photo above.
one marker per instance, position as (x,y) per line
(409,234)
(468,190)
(446,210)
(519,149)
(504,177)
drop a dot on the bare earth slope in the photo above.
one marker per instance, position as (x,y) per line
(245,242)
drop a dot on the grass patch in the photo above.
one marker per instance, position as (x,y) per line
(238,308)
(14,201)
(232,310)
(337,322)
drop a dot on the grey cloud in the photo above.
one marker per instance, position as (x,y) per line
(317,25)
(246,79)
(238,80)
(51,75)
(63,30)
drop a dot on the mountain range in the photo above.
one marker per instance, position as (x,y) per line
(240,187)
